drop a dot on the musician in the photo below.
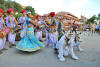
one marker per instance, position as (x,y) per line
(22,21)
(38,30)
(47,31)
(51,33)
(11,23)
(2,34)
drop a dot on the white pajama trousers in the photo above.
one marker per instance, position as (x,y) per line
(38,35)
(11,37)
(2,43)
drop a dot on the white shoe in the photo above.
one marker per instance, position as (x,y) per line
(62,59)
(75,57)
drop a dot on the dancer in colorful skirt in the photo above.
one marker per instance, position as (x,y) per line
(29,42)
(11,23)
(2,33)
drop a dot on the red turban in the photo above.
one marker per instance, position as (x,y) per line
(1,10)
(10,10)
(23,11)
(37,15)
(52,14)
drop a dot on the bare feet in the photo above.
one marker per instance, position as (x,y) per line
(10,45)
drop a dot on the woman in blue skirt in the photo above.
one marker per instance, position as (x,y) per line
(29,42)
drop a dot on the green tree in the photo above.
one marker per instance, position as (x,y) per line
(30,9)
(17,7)
(91,20)
(2,1)
(98,16)
(9,4)
(6,4)
(17,16)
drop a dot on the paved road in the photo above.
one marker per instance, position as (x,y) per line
(46,57)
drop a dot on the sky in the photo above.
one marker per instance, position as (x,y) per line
(86,8)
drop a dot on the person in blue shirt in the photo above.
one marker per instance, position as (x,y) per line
(97,28)
(52,32)
(22,21)
(38,30)
(11,24)
(2,27)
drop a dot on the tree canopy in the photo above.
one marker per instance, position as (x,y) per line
(93,18)
(6,4)
(30,9)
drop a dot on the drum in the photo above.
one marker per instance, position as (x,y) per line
(52,29)
(48,22)
(40,26)
(2,34)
